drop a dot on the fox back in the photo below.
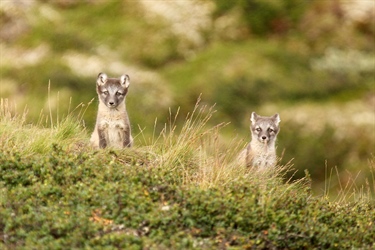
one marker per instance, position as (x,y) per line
(112,128)
(261,151)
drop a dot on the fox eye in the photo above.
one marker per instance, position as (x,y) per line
(258,129)
(271,130)
(118,93)
(105,92)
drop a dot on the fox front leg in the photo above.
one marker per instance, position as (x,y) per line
(102,138)
(127,141)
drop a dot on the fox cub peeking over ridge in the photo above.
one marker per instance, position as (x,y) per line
(261,151)
(112,128)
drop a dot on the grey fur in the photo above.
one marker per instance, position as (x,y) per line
(112,128)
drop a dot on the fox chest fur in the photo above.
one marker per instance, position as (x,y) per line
(260,155)
(112,128)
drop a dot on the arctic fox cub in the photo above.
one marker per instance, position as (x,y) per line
(261,151)
(112,128)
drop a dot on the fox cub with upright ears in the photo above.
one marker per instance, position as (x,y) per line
(261,151)
(112,128)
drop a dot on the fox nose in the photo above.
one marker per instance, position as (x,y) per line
(264,137)
(111,103)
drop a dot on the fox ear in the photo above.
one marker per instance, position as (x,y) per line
(102,79)
(276,118)
(253,117)
(125,81)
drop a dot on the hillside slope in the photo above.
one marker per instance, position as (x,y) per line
(180,192)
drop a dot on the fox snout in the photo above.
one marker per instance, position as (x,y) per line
(112,104)
(264,138)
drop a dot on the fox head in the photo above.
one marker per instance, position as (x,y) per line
(112,91)
(264,129)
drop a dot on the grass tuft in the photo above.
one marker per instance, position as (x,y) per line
(18,135)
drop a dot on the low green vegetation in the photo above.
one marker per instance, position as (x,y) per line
(182,191)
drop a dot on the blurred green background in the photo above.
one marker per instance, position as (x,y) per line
(311,61)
